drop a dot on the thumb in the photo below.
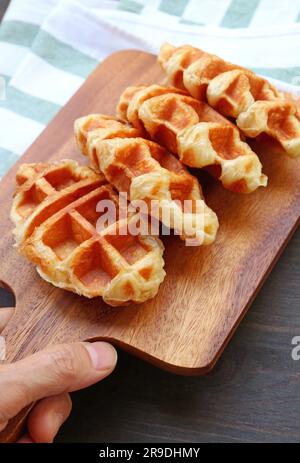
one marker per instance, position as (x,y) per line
(58,369)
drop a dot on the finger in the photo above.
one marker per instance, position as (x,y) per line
(47,417)
(5,315)
(62,368)
(3,425)
(25,440)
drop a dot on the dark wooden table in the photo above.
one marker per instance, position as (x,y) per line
(253,394)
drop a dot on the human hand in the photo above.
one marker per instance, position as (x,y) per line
(46,378)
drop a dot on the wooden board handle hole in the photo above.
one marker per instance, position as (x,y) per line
(7,295)
(7,308)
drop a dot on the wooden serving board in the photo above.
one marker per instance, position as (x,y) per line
(207,290)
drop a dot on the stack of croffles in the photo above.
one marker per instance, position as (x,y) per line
(55,211)
(202,121)
(256,106)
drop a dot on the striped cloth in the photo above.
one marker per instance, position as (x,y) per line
(48,48)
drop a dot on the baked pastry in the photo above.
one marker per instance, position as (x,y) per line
(273,120)
(57,228)
(146,171)
(199,135)
(235,92)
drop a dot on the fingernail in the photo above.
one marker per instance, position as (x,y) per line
(102,354)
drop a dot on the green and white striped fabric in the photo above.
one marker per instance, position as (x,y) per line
(48,48)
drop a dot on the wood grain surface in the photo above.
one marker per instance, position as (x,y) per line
(206,290)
